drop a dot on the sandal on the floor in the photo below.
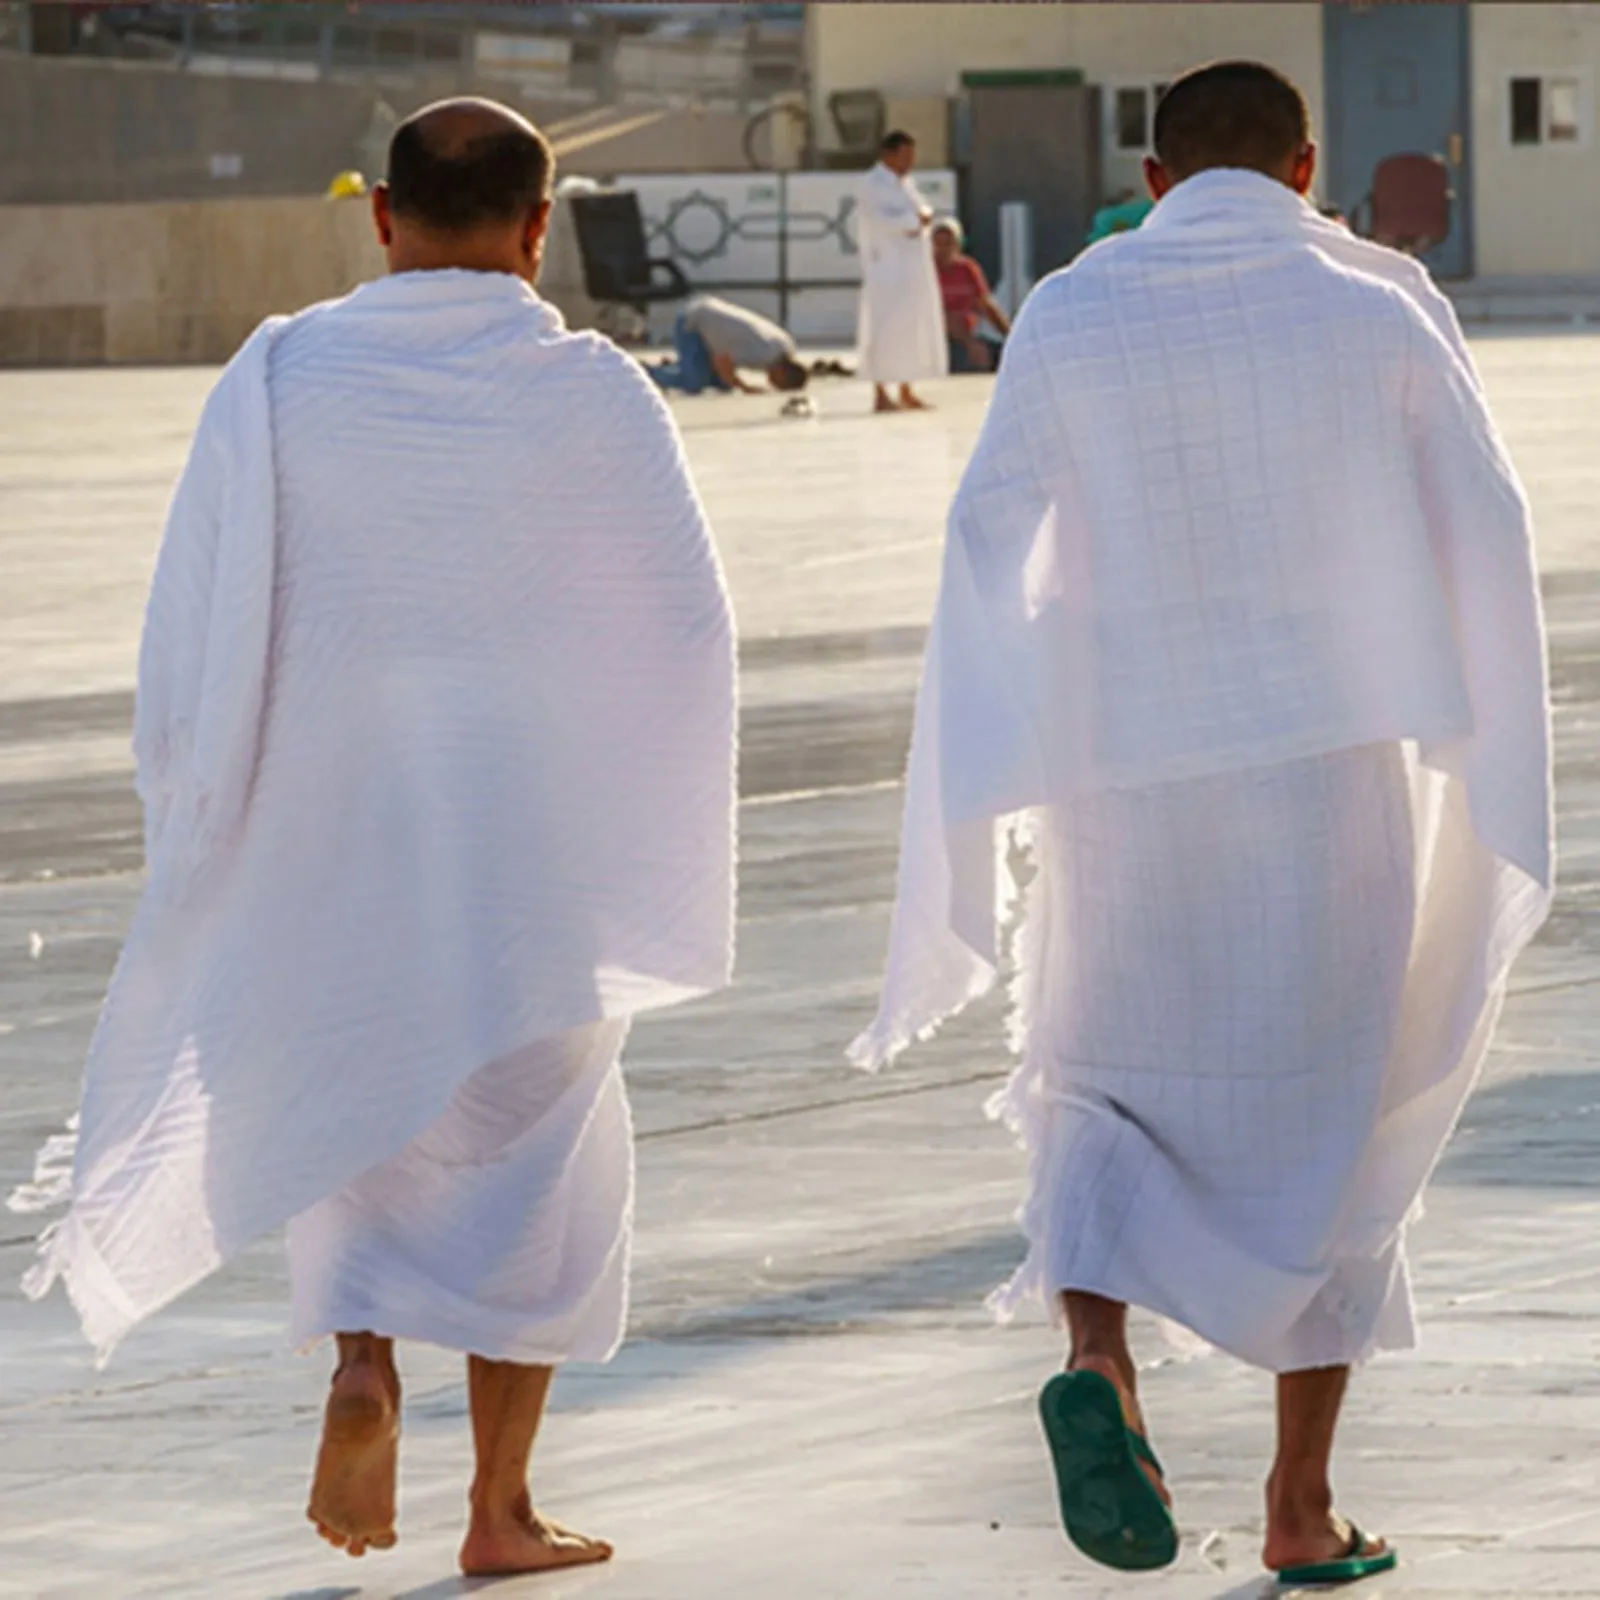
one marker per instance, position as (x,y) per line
(1351,1567)
(1109,1507)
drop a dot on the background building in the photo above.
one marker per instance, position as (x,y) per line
(162,165)
(1503,92)
(102,103)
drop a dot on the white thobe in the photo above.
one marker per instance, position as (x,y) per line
(1239,627)
(435,738)
(901,335)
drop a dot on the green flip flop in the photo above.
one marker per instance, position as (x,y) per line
(1351,1567)
(1109,1507)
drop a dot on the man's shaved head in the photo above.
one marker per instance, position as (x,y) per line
(463,165)
(1232,114)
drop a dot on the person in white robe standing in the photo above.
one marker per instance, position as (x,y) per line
(434,733)
(1239,634)
(901,330)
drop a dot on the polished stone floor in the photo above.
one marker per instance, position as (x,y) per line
(815,1401)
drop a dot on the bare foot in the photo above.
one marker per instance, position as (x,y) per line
(353,1492)
(884,403)
(1120,1379)
(525,1541)
(912,402)
(1298,1541)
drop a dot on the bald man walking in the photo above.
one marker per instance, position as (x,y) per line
(435,740)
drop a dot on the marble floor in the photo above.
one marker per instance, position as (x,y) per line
(815,1401)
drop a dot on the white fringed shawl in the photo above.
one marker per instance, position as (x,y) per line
(435,736)
(1106,619)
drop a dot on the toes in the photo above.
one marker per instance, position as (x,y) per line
(581,1547)
(353,1544)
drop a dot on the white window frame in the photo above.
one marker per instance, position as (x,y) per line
(1110,91)
(1581,77)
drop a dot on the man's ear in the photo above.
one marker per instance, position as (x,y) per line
(1157,179)
(1305,170)
(537,229)
(382,215)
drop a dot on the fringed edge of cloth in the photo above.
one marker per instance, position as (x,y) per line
(875,1049)
(1018,1106)
(67,1252)
(51,1184)
(890,1036)
(49,1189)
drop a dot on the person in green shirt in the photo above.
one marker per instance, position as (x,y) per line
(1122,215)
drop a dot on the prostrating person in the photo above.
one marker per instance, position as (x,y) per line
(714,339)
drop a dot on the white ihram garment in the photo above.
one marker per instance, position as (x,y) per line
(435,738)
(502,1229)
(901,336)
(1239,627)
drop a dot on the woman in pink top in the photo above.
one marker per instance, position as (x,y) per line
(967,298)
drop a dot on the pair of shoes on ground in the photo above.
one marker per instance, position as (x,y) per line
(1110,1508)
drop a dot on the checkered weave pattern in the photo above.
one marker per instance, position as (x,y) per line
(436,738)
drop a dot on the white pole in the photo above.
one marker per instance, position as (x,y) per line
(1016,255)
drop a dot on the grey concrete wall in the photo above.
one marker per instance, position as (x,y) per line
(96,132)
(188,280)
(75,131)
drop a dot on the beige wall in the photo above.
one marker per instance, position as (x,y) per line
(168,281)
(175,281)
(926,117)
(84,132)
(1537,207)
(912,50)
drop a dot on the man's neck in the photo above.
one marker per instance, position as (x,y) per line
(413,262)
(416,251)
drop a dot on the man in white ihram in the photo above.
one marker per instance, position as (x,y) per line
(435,739)
(1239,628)
(901,332)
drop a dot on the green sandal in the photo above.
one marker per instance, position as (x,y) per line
(1351,1567)
(1109,1507)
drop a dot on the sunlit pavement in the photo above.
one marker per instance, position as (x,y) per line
(815,1401)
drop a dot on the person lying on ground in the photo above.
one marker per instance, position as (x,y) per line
(714,341)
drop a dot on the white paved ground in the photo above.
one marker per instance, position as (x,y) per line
(815,1402)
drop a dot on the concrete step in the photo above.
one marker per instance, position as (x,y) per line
(1526,300)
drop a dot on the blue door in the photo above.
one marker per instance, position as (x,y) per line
(1398,84)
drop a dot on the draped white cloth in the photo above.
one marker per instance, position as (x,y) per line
(900,335)
(1238,506)
(435,736)
(503,1229)
(1405,273)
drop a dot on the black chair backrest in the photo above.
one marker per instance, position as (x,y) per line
(611,240)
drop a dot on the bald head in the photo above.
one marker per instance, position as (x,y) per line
(465,166)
